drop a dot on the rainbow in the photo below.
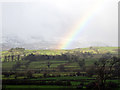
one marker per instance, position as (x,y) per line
(79,27)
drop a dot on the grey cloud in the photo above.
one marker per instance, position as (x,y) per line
(51,20)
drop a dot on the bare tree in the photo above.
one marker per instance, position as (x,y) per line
(104,69)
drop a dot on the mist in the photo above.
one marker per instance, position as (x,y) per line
(49,21)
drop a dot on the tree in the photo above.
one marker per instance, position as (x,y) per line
(91,71)
(8,58)
(30,57)
(29,74)
(18,57)
(48,64)
(17,65)
(12,57)
(5,59)
(104,69)
(82,64)
(61,68)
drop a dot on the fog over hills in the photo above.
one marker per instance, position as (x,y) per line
(35,43)
(47,23)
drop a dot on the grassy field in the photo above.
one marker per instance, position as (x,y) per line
(55,63)
(75,81)
(59,69)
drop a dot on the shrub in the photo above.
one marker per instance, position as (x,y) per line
(80,86)
(112,85)
(91,85)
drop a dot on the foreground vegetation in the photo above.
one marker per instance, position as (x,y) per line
(84,68)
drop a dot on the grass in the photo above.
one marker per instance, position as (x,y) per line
(70,67)
(34,86)
(8,65)
(74,80)
(59,52)
(64,78)
(90,61)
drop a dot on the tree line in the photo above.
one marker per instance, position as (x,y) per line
(33,57)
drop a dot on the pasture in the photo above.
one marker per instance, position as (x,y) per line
(52,68)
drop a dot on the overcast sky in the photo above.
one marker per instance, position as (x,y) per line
(51,20)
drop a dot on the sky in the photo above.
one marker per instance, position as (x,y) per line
(52,20)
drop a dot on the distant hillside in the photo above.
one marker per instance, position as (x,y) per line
(11,41)
(94,50)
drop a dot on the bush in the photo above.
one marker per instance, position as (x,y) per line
(29,74)
(80,86)
(91,85)
(112,85)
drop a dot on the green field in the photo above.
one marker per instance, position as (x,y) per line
(51,66)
